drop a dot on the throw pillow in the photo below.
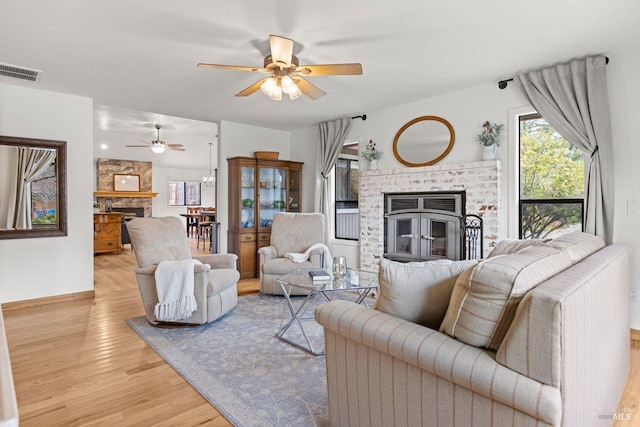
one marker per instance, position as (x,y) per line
(418,291)
(485,298)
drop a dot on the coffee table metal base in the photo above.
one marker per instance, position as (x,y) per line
(298,314)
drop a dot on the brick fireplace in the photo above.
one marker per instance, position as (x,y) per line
(479,180)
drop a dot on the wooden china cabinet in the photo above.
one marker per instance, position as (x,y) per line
(257,190)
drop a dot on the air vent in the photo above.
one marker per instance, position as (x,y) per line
(21,73)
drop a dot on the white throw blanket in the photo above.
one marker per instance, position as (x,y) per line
(175,286)
(302,257)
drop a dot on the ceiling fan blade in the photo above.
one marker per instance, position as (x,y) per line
(308,89)
(142,146)
(251,89)
(174,145)
(234,67)
(330,70)
(176,149)
(281,50)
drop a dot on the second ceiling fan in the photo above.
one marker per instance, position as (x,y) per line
(285,74)
(158,146)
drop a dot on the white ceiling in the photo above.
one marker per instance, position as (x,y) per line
(142,55)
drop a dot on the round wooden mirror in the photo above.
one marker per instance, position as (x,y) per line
(423,141)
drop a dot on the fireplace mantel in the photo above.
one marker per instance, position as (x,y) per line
(145,194)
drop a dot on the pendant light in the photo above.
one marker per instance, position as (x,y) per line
(209,181)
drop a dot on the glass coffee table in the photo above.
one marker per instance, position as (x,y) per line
(355,286)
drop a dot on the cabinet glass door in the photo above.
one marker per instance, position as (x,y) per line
(294,191)
(247,200)
(273,194)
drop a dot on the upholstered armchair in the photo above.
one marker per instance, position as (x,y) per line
(164,239)
(290,233)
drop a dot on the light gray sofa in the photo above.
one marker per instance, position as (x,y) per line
(290,233)
(563,359)
(164,239)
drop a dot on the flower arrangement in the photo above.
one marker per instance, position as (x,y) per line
(490,134)
(371,153)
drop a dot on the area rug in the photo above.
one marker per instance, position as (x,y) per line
(237,364)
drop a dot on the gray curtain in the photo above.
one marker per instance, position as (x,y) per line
(31,163)
(573,98)
(332,137)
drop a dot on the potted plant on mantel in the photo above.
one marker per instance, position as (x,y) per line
(372,154)
(490,139)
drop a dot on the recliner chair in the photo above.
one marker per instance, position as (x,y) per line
(164,239)
(290,233)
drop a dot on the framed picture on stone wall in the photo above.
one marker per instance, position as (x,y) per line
(126,182)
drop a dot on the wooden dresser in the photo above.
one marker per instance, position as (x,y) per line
(106,232)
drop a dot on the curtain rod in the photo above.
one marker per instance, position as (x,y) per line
(362,116)
(502,84)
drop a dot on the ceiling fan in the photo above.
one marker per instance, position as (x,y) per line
(158,146)
(285,72)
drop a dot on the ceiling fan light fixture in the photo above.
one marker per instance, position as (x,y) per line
(158,148)
(288,86)
(268,85)
(295,94)
(276,93)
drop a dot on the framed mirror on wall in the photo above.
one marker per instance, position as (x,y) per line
(33,199)
(423,141)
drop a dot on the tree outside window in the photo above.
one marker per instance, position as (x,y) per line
(551,181)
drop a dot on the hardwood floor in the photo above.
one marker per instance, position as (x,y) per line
(76,362)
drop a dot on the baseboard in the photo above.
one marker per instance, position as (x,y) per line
(635,334)
(56,299)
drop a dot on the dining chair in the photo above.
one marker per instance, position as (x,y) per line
(193,221)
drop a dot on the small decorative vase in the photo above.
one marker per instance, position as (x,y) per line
(339,267)
(373,164)
(489,152)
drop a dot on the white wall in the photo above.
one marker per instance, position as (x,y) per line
(160,184)
(35,268)
(236,139)
(623,78)
(303,149)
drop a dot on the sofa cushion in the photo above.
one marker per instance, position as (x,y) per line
(485,298)
(418,291)
(578,245)
(511,246)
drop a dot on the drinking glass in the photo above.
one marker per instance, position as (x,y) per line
(339,267)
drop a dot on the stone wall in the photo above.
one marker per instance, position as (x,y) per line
(108,167)
(480,180)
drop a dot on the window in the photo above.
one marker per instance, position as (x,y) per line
(346,193)
(184,193)
(551,198)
